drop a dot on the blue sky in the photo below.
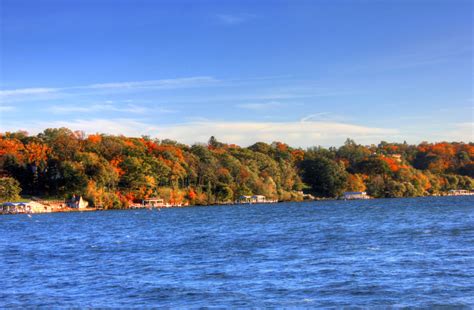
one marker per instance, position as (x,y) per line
(303,72)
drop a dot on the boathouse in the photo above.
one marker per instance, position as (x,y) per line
(24,207)
(460,192)
(258,199)
(153,203)
(244,199)
(355,195)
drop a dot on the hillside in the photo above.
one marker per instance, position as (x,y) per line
(110,171)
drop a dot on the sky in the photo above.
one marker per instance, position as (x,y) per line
(305,73)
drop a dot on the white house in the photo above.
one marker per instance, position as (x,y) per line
(258,199)
(15,208)
(356,195)
(254,199)
(244,199)
(153,203)
(460,192)
(24,207)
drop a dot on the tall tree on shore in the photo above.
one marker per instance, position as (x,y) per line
(9,189)
(326,178)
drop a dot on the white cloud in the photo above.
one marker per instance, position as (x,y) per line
(459,132)
(12,95)
(233,19)
(129,108)
(298,134)
(260,106)
(318,117)
(294,133)
(35,93)
(25,91)
(156,84)
(119,126)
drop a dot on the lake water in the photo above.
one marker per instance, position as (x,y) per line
(387,252)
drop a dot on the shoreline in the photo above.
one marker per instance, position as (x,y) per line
(72,210)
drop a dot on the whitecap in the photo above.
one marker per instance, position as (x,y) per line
(374,248)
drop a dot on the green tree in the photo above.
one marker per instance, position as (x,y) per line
(224,193)
(373,166)
(376,186)
(9,189)
(352,152)
(326,177)
(214,143)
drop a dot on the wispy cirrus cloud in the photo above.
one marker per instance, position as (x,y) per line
(31,93)
(95,108)
(156,84)
(26,91)
(260,106)
(322,116)
(233,19)
(12,95)
(129,108)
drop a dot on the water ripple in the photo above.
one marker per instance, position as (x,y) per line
(378,253)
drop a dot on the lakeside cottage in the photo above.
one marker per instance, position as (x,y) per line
(153,203)
(397,157)
(76,202)
(24,208)
(258,199)
(15,208)
(460,192)
(355,195)
(254,199)
(244,199)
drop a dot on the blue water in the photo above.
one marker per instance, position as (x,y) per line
(391,252)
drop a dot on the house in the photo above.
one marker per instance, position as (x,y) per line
(255,199)
(77,202)
(14,208)
(355,195)
(397,157)
(153,203)
(258,199)
(460,192)
(244,199)
(24,207)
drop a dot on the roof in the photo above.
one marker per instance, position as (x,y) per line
(11,204)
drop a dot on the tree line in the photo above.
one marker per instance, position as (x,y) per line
(111,171)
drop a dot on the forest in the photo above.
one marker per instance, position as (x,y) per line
(112,171)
